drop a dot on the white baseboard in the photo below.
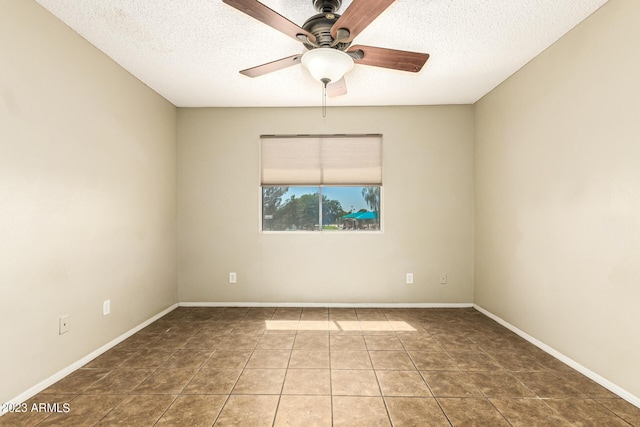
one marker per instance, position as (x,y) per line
(629,397)
(88,358)
(328,304)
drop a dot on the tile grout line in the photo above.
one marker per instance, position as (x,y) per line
(284,380)
(426,383)
(330,371)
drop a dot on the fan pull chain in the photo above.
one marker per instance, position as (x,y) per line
(324,96)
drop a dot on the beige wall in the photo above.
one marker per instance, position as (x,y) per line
(558,196)
(427,210)
(87,198)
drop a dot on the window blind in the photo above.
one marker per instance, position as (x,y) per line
(321,160)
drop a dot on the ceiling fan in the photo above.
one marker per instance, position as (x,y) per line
(327,36)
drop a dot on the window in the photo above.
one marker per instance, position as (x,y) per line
(321,183)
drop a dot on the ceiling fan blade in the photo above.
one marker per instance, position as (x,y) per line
(262,13)
(337,89)
(390,58)
(272,66)
(358,15)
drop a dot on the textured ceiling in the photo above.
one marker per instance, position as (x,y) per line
(190,51)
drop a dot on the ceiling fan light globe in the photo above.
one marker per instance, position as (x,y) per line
(325,63)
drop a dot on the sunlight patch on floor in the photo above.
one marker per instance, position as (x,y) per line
(339,325)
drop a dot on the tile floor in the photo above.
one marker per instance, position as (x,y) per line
(323,367)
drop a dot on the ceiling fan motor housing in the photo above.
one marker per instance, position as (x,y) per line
(320,26)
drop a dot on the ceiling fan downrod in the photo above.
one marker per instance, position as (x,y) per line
(327,6)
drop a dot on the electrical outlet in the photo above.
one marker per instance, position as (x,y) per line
(409,278)
(106,307)
(63,324)
(443,279)
(233,277)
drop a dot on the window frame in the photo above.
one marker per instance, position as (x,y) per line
(320,188)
